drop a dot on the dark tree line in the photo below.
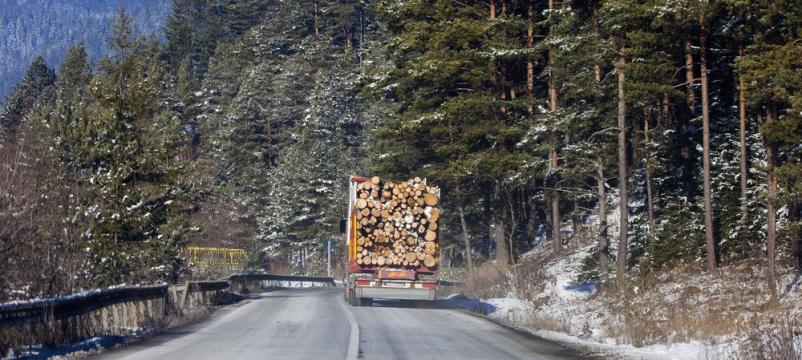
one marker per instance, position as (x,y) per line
(537,116)
(660,132)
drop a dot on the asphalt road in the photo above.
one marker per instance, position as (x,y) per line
(317,324)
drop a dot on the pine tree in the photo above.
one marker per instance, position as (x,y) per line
(30,94)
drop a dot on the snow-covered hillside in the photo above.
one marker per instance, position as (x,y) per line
(684,313)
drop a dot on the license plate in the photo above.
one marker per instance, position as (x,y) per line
(395,284)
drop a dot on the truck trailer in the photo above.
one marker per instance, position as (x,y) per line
(391,240)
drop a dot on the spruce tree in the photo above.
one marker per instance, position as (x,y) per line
(28,95)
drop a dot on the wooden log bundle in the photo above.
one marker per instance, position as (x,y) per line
(397,223)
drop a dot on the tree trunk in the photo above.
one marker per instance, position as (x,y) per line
(511,237)
(649,195)
(531,219)
(502,252)
(665,114)
(530,62)
(466,238)
(621,262)
(710,244)
(604,246)
(556,241)
(689,78)
(771,211)
(553,162)
(684,131)
(492,9)
(361,35)
(796,236)
(317,27)
(743,162)
(596,66)
(771,216)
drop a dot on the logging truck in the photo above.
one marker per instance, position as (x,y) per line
(391,239)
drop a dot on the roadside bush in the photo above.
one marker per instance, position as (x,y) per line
(780,339)
(488,281)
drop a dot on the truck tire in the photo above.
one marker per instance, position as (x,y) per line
(353,300)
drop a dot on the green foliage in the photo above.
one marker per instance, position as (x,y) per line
(242,128)
(30,94)
(678,236)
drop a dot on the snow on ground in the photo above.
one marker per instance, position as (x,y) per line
(518,313)
(84,348)
(683,313)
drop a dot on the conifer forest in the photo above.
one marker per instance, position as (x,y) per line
(644,142)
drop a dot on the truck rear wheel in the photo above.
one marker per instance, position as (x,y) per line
(352,299)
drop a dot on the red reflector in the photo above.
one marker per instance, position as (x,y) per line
(362,282)
(429,285)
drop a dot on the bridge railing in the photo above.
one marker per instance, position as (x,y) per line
(311,280)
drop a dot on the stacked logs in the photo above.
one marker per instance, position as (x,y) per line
(396,223)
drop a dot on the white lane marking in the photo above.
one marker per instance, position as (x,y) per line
(353,342)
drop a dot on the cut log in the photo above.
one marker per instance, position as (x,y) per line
(396,223)
(431,248)
(434,215)
(430,199)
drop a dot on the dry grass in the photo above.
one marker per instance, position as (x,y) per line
(524,280)
(672,306)
(686,304)
(487,281)
(778,339)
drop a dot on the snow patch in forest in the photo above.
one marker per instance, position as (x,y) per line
(518,313)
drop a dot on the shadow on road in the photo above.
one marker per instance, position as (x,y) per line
(413,304)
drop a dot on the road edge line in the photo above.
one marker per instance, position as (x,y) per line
(353,342)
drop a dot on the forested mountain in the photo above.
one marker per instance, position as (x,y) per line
(47,28)
(679,121)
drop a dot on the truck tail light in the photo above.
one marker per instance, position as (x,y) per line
(429,285)
(362,282)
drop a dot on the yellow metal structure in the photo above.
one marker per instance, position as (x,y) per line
(217,257)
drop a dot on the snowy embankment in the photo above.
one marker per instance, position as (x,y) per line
(679,314)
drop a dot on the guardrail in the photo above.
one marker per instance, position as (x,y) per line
(60,308)
(120,310)
(272,277)
(113,311)
(450,283)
